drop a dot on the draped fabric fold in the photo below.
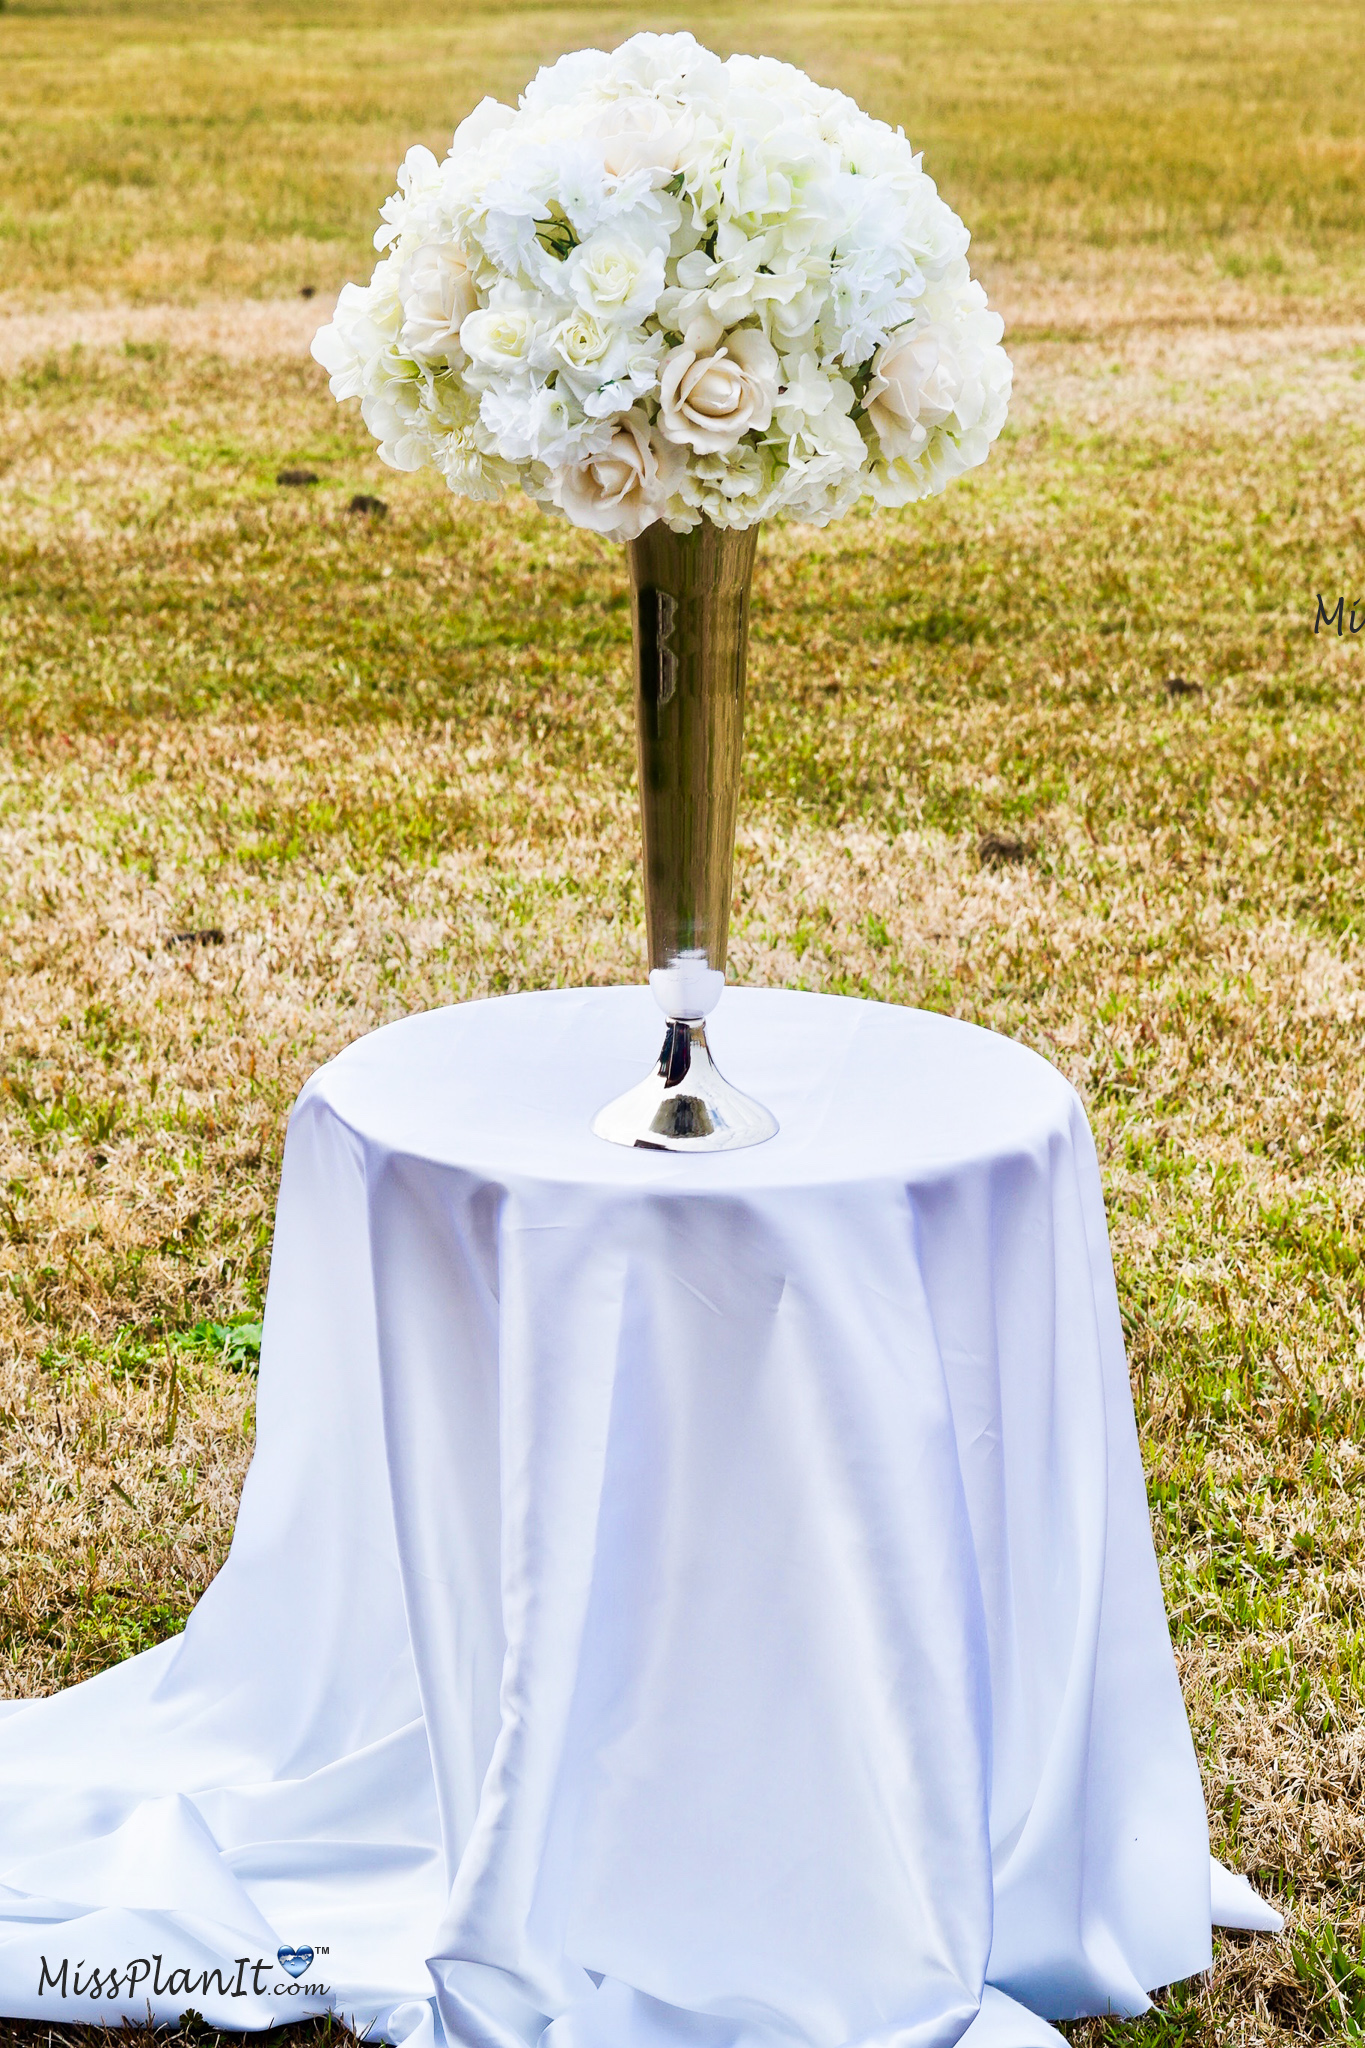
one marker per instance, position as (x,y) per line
(675,1603)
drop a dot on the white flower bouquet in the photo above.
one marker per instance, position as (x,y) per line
(668,287)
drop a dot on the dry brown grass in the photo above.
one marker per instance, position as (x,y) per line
(364,856)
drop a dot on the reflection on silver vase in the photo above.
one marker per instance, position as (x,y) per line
(690,615)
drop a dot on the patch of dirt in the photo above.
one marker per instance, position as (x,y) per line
(239,330)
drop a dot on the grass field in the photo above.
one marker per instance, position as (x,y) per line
(1060,752)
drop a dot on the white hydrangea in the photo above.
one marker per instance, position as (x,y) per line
(667,287)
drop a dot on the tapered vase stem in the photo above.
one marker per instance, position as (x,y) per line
(690,619)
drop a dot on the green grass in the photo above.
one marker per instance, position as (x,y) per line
(163,150)
(389,760)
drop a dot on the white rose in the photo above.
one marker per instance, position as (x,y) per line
(488,118)
(622,488)
(933,234)
(353,338)
(394,415)
(616,278)
(707,402)
(561,83)
(788,87)
(500,337)
(607,368)
(582,340)
(640,135)
(915,385)
(672,68)
(438,294)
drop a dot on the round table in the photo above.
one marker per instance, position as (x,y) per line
(674,1600)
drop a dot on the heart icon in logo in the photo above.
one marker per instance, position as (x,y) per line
(295,1960)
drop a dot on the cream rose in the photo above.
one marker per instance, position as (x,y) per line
(709,401)
(621,489)
(438,292)
(915,386)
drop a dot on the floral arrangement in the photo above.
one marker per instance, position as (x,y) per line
(671,287)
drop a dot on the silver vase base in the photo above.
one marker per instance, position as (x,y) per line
(686,1104)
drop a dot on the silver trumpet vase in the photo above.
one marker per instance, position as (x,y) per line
(690,620)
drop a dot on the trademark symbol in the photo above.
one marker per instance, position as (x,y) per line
(321,1949)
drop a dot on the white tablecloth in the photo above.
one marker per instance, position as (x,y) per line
(676,1603)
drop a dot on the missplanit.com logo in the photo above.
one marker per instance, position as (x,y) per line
(146,1977)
